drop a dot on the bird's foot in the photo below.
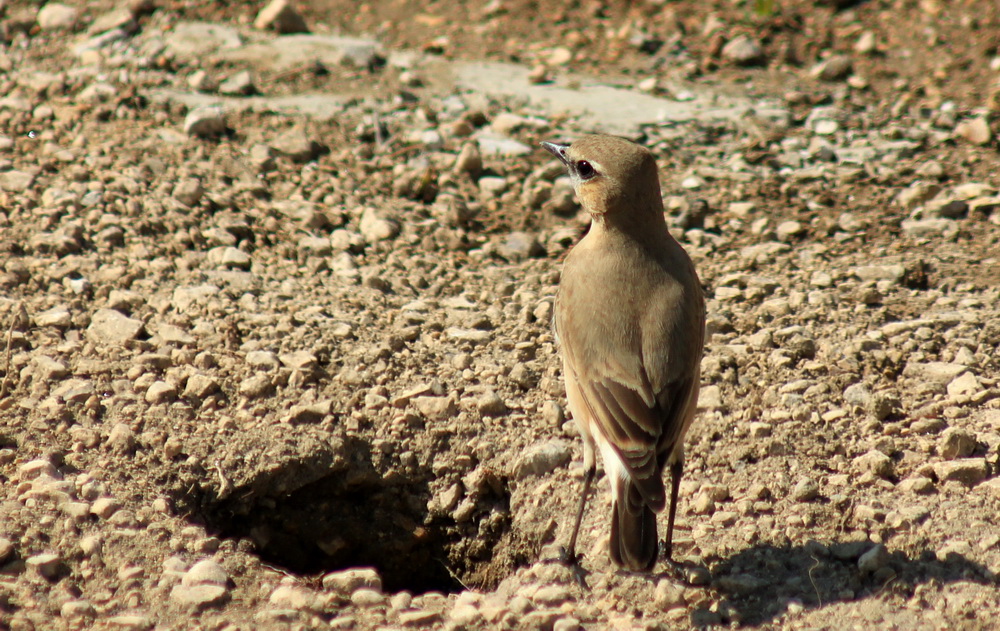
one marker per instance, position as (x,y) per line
(572,561)
(688,572)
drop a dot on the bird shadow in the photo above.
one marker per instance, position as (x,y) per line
(763,581)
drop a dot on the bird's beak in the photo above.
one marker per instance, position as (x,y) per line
(558,151)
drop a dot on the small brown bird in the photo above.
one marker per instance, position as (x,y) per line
(630,321)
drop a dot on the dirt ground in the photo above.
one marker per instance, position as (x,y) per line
(297,371)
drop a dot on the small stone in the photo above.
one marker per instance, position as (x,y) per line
(469,160)
(789,230)
(956,443)
(968,471)
(490,404)
(105,507)
(866,43)
(48,565)
(975,130)
(874,462)
(56,17)
(873,560)
(188,191)
(298,146)
(419,618)
(206,571)
(348,581)
(240,84)
(436,408)
(965,384)
(668,595)
(292,597)
(280,16)
(366,597)
(6,549)
(205,122)
(160,392)
(919,485)
(121,439)
(108,326)
(200,386)
(59,317)
(805,490)
(835,68)
(551,595)
(743,51)
(375,228)
(520,246)
(15,181)
(198,596)
(80,608)
(541,458)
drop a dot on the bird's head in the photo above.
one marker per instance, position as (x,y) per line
(611,175)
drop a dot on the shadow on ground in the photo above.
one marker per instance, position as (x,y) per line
(762,581)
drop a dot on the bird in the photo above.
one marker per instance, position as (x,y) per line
(629,322)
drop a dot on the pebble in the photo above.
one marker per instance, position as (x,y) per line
(874,462)
(205,122)
(280,16)
(375,228)
(436,408)
(240,84)
(199,596)
(743,51)
(105,507)
(789,230)
(490,404)
(965,384)
(79,608)
(469,159)
(805,490)
(108,327)
(57,17)
(298,146)
(541,458)
(189,191)
(48,565)
(366,597)
(835,68)
(200,386)
(975,130)
(6,549)
(520,246)
(873,560)
(292,597)
(968,471)
(15,181)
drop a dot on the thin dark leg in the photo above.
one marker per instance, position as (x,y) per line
(676,471)
(569,552)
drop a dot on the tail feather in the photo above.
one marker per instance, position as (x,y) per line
(633,543)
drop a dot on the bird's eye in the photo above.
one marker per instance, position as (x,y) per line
(585,170)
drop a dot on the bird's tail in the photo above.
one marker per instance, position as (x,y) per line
(633,543)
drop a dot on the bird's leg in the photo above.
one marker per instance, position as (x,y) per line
(568,554)
(676,471)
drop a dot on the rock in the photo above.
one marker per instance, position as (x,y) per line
(541,458)
(520,246)
(469,160)
(48,565)
(805,490)
(206,571)
(160,392)
(975,130)
(280,16)
(121,439)
(73,609)
(834,68)
(240,84)
(298,146)
(347,581)
(935,372)
(292,597)
(956,443)
(924,228)
(112,327)
(375,228)
(490,404)
(894,273)
(964,384)
(789,230)
(873,559)
(968,471)
(200,386)
(743,51)
(105,507)
(199,596)
(188,191)
(205,122)
(436,408)
(15,181)
(668,595)
(57,17)
(6,549)
(874,462)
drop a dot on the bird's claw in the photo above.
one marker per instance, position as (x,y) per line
(572,561)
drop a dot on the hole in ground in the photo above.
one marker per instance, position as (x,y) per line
(359,516)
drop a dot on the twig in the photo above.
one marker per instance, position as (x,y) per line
(10,343)
(819,597)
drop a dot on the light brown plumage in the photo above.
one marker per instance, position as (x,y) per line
(630,320)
